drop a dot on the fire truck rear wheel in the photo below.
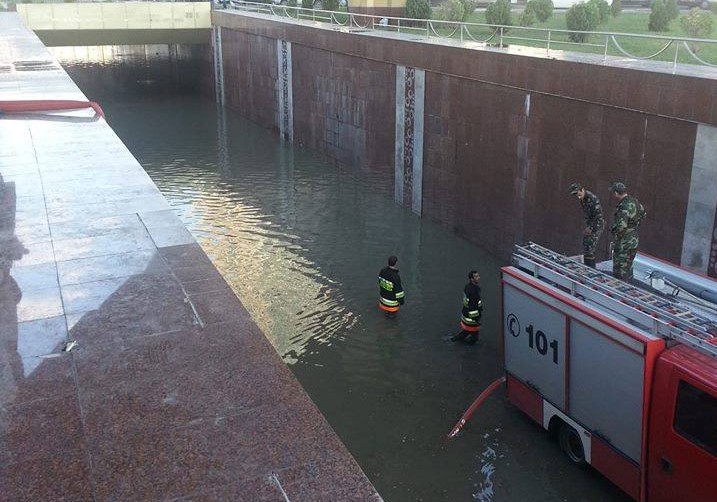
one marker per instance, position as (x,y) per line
(571,444)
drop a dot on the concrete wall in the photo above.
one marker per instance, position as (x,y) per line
(502,137)
(112,16)
(136,70)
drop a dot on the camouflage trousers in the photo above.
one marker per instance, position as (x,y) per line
(590,243)
(623,254)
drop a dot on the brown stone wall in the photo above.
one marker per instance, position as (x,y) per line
(680,96)
(578,141)
(250,76)
(505,134)
(475,136)
(478,135)
(470,158)
(345,107)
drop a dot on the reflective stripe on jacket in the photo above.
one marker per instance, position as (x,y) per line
(472,305)
(390,290)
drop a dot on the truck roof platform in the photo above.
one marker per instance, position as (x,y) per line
(655,313)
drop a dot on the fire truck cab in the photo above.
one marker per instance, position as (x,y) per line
(625,376)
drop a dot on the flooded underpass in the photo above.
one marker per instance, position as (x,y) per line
(301,241)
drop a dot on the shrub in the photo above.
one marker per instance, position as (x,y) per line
(659,16)
(330,4)
(616,7)
(602,8)
(528,16)
(672,9)
(418,9)
(698,24)
(499,13)
(450,10)
(543,9)
(307,4)
(579,18)
(469,6)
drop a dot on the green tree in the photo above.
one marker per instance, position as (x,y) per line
(659,16)
(581,17)
(499,13)
(330,4)
(602,8)
(616,7)
(697,24)
(469,6)
(450,10)
(543,9)
(673,11)
(418,9)
(528,16)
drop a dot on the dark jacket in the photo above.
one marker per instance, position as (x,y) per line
(472,304)
(390,289)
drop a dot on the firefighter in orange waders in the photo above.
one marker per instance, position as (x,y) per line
(472,310)
(391,294)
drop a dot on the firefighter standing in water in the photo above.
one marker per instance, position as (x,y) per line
(594,222)
(391,294)
(472,310)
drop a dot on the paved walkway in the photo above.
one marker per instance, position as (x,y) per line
(172,392)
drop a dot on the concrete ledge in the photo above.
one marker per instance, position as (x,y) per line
(113,16)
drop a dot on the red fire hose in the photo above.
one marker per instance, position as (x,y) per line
(24,106)
(469,412)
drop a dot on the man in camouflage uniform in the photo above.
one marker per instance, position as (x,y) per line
(594,221)
(628,214)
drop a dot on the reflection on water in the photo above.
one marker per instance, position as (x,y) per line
(486,464)
(301,242)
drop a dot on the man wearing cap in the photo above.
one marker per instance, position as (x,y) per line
(594,221)
(628,214)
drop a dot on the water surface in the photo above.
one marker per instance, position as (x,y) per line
(301,241)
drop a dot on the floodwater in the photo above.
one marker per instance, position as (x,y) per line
(301,241)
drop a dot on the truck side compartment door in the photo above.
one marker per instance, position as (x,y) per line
(683,442)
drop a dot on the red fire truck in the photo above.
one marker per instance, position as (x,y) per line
(624,376)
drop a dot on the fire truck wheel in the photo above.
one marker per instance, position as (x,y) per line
(571,444)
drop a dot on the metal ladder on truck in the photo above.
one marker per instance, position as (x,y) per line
(664,317)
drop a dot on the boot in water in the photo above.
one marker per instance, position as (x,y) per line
(458,336)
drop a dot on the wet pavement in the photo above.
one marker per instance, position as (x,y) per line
(171,390)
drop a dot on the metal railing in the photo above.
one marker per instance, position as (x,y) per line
(630,46)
